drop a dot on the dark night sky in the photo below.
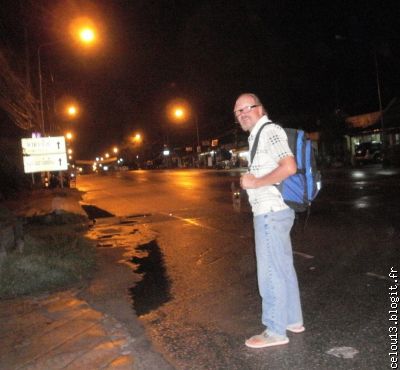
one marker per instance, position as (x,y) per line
(208,52)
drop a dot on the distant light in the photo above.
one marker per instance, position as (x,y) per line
(358,175)
(97,159)
(137,138)
(166,152)
(72,111)
(87,35)
(179,112)
(105,168)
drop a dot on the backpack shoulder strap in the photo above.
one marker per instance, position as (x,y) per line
(255,144)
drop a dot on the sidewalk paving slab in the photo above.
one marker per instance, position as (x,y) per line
(60,331)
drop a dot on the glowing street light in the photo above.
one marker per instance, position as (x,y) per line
(72,110)
(83,30)
(87,35)
(69,135)
(115,150)
(137,139)
(180,111)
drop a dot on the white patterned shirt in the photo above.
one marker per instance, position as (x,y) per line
(272,147)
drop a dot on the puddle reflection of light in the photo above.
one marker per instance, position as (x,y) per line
(192,221)
(360,184)
(363,203)
(358,174)
(184,181)
(387,172)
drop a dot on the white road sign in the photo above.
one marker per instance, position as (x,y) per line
(44,154)
(45,162)
(43,145)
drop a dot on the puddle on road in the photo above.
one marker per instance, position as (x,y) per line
(154,288)
(105,236)
(94,212)
(128,222)
(139,215)
(100,245)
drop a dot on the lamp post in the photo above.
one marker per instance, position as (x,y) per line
(196,121)
(86,35)
(180,112)
(378,81)
(41,83)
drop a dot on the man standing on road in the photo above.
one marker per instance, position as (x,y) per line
(273,220)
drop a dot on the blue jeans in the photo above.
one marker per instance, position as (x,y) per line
(277,280)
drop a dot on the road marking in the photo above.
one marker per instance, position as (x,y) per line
(191,221)
(308,256)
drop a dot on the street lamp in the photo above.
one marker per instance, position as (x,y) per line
(72,111)
(137,139)
(84,30)
(179,112)
(69,136)
(86,35)
(378,81)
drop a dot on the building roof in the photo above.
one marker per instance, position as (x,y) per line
(373,120)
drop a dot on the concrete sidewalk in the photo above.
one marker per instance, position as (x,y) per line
(88,328)
(60,331)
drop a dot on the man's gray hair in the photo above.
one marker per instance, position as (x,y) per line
(256,100)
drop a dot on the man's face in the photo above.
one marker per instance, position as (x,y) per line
(247,112)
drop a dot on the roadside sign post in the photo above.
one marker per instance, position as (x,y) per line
(45,154)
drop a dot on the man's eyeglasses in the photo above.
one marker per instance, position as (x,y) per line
(246,109)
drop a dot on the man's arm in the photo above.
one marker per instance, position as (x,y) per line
(286,167)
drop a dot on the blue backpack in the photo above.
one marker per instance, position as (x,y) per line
(300,189)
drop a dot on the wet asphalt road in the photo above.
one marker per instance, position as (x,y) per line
(202,299)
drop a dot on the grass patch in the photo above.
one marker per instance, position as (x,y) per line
(53,257)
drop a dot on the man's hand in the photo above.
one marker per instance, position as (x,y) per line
(248,181)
